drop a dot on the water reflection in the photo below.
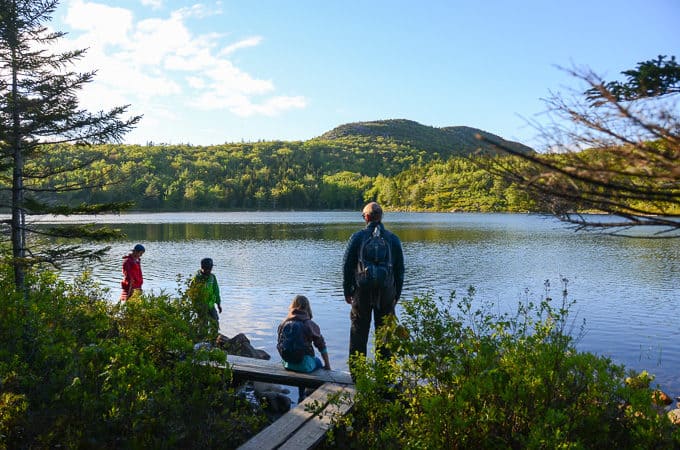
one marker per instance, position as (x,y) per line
(159,232)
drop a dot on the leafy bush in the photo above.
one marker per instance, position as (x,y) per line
(463,376)
(77,371)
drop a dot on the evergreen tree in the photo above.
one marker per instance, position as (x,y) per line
(39,104)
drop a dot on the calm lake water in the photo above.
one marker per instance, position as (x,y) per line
(627,290)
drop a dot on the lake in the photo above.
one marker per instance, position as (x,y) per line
(627,290)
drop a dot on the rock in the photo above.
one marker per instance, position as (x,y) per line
(674,416)
(660,398)
(259,386)
(274,402)
(240,345)
(272,397)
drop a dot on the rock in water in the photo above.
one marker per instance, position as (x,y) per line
(240,345)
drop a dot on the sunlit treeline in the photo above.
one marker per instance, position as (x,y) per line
(315,174)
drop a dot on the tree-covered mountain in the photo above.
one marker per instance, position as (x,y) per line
(445,142)
(411,167)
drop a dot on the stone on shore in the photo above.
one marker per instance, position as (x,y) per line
(240,345)
(272,397)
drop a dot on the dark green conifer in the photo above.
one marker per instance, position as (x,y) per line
(38,105)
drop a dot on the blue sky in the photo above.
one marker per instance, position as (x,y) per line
(225,71)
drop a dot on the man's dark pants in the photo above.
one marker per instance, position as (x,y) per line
(380,303)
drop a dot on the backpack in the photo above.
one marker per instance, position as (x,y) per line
(375,262)
(291,344)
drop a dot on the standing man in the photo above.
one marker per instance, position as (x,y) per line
(373,274)
(132,273)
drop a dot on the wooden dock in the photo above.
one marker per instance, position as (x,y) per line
(273,372)
(304,426)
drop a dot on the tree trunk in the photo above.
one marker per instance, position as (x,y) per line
(18,216)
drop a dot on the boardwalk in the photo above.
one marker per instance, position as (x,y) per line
(273,372)
(304,426)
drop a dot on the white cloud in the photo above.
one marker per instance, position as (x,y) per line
(196,82)
(155,4)
(244,106)
(155,62)
(250,42)
(274,106)
(103,25)
(198,11)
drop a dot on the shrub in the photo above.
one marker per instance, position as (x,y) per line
(456,375)
(78,371)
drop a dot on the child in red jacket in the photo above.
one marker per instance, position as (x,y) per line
(132,273)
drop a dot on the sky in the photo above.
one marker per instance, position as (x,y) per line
(214,72)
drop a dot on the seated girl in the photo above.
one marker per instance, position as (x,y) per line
(296,334)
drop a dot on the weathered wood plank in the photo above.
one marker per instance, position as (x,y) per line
(313,431)
(278,432)
(297,429)
(273,372)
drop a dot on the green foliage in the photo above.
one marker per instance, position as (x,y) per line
(462,375)
(445,142)
(79,372)
(339,173)
(459,184)
(652,78)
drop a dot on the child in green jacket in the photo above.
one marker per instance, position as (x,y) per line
(205,291)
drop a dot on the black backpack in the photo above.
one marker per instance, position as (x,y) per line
(291,344)
(375,262)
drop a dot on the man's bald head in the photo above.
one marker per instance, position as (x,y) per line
(372,212)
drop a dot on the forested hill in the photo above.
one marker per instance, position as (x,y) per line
(400,163)
(447,141)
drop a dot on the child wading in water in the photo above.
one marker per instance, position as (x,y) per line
(301,359)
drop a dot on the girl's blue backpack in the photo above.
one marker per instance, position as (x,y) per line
(291,343)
